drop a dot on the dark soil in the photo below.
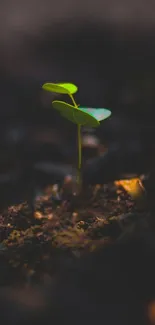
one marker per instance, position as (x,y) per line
(89,251)
(33,238)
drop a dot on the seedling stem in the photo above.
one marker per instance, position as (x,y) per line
(79,145)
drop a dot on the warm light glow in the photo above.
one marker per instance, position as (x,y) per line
(133,186)
(151,312)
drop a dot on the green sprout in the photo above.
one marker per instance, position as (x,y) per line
(82,116)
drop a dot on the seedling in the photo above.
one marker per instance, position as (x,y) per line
(82,116)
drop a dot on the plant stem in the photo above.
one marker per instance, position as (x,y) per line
(73,100)
(79,153)
(79,145)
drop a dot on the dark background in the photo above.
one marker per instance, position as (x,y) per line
(106,47)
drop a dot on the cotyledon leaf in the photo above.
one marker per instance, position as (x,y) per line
(72,88)
(75,115)
(99,113)
(60,88)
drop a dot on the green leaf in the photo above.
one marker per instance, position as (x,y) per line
(60,88)
(99,113)
(75,115)
(72,89)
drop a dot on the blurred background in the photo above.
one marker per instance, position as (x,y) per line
(105,47)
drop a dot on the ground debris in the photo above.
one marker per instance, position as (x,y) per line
(54,227)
